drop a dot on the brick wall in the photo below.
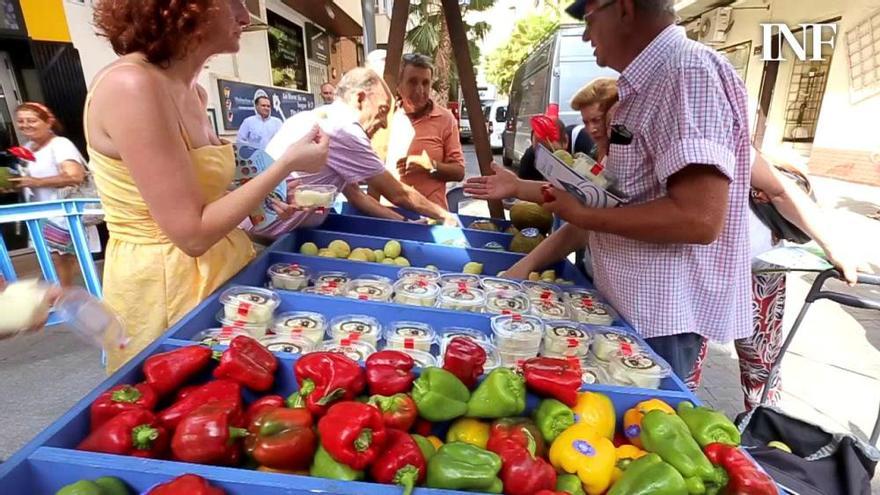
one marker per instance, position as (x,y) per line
(850,165)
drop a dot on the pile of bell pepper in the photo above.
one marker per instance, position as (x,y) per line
(383,423)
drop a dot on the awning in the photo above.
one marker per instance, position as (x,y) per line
(328,15)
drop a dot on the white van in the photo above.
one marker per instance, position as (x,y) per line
(560,66)
(496,119)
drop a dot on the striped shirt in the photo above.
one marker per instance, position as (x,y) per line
(684,105)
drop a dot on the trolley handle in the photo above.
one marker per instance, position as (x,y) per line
(817,293)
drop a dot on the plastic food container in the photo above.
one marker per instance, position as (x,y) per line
(542,290)
(637,369)
(586,308)
(249,304)
(356,350)
(420,274)
(494,283)
(290,344)
(423,359)
(289,276)
(450,333)
(416,292)
(608,341)
(255,330)
(459,279)
(409,335)
(462,298)
(322,291)
(517,334)
(566,338)
(332,282)
(369,288)
(592,374)
(515,359)
(550,309)
(88,318)
(356,328)
(507,302)
(314,196)
(218,336)
(307,324)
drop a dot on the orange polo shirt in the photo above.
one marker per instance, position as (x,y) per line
(437,135)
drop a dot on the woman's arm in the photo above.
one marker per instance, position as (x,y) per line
(70,173)
(145,132)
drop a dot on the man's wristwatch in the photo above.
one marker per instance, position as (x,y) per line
(434,171)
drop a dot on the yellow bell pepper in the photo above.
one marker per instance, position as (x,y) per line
(632,418)
(596,410)
(625,455)
(469,430)
(582,451)
(436,442)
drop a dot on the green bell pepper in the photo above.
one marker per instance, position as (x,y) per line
(324,466)
(569,483)
(668,436)
(112,486)
(501,395)
(425,445)
(439,395)
(81,487)
(708,426)
(552,418)
(649,475)
(462,466)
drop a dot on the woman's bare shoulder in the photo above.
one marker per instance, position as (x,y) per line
(126,77)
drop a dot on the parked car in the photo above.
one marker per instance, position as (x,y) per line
(464,125)
(551,75)
(496,119)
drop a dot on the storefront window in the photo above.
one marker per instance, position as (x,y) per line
(287,53)
(738,56)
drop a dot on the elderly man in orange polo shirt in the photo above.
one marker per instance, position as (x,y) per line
(434,156)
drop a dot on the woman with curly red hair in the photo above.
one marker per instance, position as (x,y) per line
(161,171)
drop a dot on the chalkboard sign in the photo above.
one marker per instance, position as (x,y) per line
(237,101)
(287,53)
(318,44)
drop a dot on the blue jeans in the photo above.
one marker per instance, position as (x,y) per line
(680,351)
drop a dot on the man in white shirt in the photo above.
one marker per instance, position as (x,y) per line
(257,130)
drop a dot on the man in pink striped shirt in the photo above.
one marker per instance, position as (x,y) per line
(674,259)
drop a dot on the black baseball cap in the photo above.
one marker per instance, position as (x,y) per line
(577,9)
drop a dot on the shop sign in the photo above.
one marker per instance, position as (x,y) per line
(11,20)
(317,44)
(237,101)
(804,49)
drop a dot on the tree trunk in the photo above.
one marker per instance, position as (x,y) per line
(442,63)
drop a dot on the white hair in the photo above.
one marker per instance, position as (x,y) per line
(358,79)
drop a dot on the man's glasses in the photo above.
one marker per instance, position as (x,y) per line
(593,12)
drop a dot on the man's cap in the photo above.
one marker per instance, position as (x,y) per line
(577,9)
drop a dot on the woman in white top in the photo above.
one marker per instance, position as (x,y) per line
(57,164)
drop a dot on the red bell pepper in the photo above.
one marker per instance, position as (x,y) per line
(190,400)
(282,438)
(136,433)
(188,484)
(401,463)
(390,372)
(516,433)
(353,434)
(261,405)
(249,363)
(464,358)
(324,378)
(555,378)
(168,371)
(423,427)
(524,474)
(120,399)
(209,435)
(745,477)
(399,411)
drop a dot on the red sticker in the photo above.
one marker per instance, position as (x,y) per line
(409,344)
(573,343)
(363,297)
(517,317)
(354,336)
(597,169)
(244,309)
(626,349)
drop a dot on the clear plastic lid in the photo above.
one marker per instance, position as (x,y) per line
(637,369)
(314,195)
(409,335)
(369,288)
(542,290)
(550,309)
(249,304)
(520,333)
(255,330)
(332,280)
(507,302)
(515,358)
(586,307)
(423,359)
(566,338)
(450,333)
(289,276)
(290,344)
(356,350)
(459,279)
(582,296)
(608,341)
(495,283)
(462,298)
(419,273)
(308,324)
(218,336)
(416,292)
(90,319)
(356,328)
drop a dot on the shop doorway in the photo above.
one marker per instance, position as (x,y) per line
(15,234)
